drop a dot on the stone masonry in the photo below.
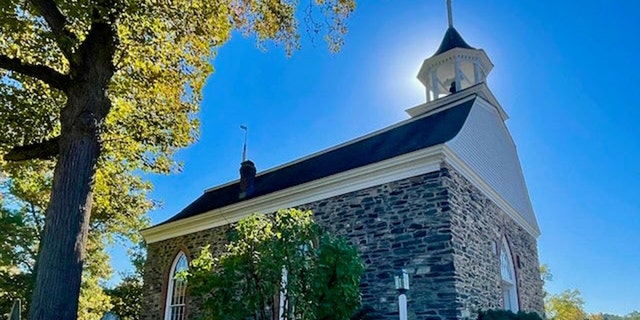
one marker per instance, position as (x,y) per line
(478,227)
(437,226)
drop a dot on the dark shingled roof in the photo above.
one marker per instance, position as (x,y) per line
(452,39)
(411,136)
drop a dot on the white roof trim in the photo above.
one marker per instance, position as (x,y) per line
(479,90)
(398,168)
(459,99)
(394,169)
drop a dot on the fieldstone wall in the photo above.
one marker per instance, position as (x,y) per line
(478,227)
(437,226)
(160,256)
(402,224)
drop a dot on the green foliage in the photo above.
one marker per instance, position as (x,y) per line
(507,315)
(635,315)
(162,60)
(545,274)
(126,298)
(322,271)
(161,53)
(22,215)
(16,256)
(94,301)
(13,285)
(568,305)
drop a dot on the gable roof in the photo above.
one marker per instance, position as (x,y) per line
(412,135)
(452,39)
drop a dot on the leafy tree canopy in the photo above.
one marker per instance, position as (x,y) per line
(161,60)
(283,263)
(634,315)
(568,305)
(126,298)
(102,90)
(507,315)
(21,223)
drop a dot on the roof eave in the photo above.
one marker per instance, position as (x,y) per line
(397,168)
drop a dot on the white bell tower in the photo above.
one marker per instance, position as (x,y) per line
(454,67)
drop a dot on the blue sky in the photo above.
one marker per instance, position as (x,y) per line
(566,72)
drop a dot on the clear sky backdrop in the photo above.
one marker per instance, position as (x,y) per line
(566,72)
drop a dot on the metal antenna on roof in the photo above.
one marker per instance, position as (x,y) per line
(244,148)
(450,13)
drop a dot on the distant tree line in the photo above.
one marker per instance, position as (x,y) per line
(569,304)
(635,315)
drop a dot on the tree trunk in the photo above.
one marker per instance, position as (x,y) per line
(60,262)
(63,248)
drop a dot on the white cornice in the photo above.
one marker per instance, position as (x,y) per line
(394,169)
(441,104)
(398,168)
(460,166)
(479,90)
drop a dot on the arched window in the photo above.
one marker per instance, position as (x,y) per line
(508,275)
(176,291)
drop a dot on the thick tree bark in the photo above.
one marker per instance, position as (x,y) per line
(47,149)
(63,244)
(41,72)
(59,270)
(58,24)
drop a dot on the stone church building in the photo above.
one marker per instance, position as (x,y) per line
(440,195)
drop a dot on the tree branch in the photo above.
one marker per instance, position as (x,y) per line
(43,150)
(43,73)
(57,22)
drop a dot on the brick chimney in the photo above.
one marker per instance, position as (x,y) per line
(247,178)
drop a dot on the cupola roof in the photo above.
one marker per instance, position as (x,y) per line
(455,66)
(452,39)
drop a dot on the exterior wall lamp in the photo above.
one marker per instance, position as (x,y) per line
(402,285)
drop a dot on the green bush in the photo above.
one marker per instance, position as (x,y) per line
(507,315)
(283,256)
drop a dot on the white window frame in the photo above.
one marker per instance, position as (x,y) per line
(169,305)
(509,279)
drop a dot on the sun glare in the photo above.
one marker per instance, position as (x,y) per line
(401,85)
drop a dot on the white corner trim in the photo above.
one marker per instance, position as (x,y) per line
(458,164)
(394,169)
(485,93)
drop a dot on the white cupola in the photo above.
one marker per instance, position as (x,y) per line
(454,67)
